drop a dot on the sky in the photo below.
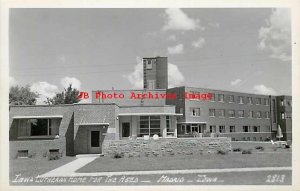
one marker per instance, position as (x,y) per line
(234,49)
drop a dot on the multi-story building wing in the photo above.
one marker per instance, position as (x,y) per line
(242,116)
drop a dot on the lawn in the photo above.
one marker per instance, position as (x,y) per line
(205,161)
(32,167)
(268,147)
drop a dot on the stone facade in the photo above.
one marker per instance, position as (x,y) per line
(162,147)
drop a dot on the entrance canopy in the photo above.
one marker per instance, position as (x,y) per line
(166,110)
(86,124)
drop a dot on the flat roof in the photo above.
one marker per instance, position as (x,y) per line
(37,116)
(146,114)
(228,91)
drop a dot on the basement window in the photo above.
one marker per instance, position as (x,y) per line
(22,153)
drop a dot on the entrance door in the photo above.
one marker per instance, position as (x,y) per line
(125,129)
(95,144)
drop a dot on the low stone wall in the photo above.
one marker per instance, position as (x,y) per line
(163,147)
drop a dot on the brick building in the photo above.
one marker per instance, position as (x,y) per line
(84,128)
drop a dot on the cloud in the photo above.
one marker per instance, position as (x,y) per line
(171,38)
(199,43)
(136,77)
(66,81)
(275,37)
(178,49)
(12,81)
(175,77)
(215,25)
(176,19)
(262,89)
(44,89)
(235,82)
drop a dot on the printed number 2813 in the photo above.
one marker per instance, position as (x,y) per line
(275,178)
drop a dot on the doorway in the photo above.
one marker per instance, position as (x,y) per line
(125,129)
(95,142)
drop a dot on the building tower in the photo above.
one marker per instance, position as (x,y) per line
(155,72)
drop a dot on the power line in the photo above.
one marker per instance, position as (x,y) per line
(130,70)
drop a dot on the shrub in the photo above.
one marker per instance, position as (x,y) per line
(237,150)
(147,153)
(53,157)
(221,152)
(118,155)
(260,148)
(247,151)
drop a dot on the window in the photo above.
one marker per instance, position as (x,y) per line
(39,127)
(168,124)
(241,100)
(181,110)
(195,128)
(288,115)
(222,129)
(232,129)
(212,112)
(149,125)
(267,115)
(248,138)
(222,113)
(231,98)
(258,101)
(148,64)
(22,153)
(188,129)
(241,113)
(213,97)
(245,128)
(231,113)
(182,128)
(256,128)
(282,115)
(258,114)
(251,114)
(267,101)
(268,127)
(274,113)
(221,97)
(281,102)
(254,138)
(260,138)
(244,138)
(195,112)
(151,84)
(250,100)
(212,128)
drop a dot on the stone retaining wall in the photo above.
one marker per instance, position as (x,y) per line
(162,147)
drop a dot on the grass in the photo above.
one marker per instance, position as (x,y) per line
(32,167)
(268,147)
(206,161)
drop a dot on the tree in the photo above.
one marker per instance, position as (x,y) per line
(68,96)
(22,96)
